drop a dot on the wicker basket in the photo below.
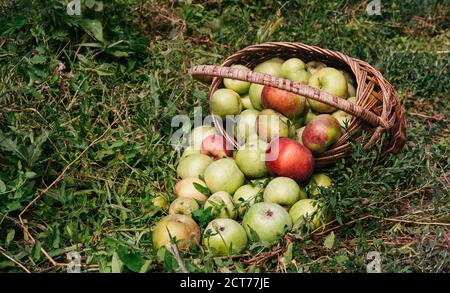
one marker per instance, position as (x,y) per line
(377,110)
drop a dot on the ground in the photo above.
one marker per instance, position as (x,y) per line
(86,104)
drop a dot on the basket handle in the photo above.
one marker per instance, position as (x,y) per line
(203,71)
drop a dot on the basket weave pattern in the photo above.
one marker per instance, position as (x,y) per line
(377,109)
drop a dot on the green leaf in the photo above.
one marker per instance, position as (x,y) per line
(329,241)
(119,54)
(288,254)
(10,236)
(2,186)
(146,266)
(132,260)
(30,174)
(94,28)
(116,263)
(38,59)
(201,188)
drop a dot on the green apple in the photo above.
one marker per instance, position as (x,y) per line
(225,102)
(251,159)
(181,227)
(309,116)
(245,197)
(319,180)
(183,206)
(271,124)
(283,191)
(254,94)
(222,205)
(329,80)
(189,151)
(246,102)
(306,211)
(224,175)
(271,67)
(160,202)
(343,118)
(186,188)
(240,87)
(246,125)
(193,165)
(351,91)
(198,134)
(314,66)
(298,134)
(266,221)
(224,237)
(295,69)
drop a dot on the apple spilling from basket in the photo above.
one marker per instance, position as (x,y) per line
(266,186)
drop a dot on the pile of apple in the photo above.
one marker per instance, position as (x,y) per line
(267,186)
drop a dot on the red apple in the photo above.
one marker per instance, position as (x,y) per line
(286,103)
(216,146)
(289,158)
(320,133)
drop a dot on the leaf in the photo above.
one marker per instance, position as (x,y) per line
(132,260)
(30,174)
(119,54)
(94,28)
(2,186)
(14,205)
(288,254)
(329,241)
(10,236)
(201,188)
(116,263)
(38,59)
(146,266)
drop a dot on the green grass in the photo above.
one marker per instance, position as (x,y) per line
(66,83)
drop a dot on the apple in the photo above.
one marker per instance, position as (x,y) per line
(271,67)
(222,205)
(189,151)
(266,221)
(246,125)
(183,206)
(317,181)
(225,102)
(254,94)
(181,227)
(350,84)
(160,202)
(289,158)
(343,118)
(198,134)
(283,191)
(193,165)
(351,91)
(224,237)
(251,159)
(216,146)
(298,134)
(314,66)
(295,69)
(246,102)
(271,124)
(329,80)
(186,188)
(245,197)
(309,116)
(288,104)
(224,175)
(306,211)
(320,133)
(239,86)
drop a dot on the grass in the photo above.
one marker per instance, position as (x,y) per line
(85,112)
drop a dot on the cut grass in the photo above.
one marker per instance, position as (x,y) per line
(62,87)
